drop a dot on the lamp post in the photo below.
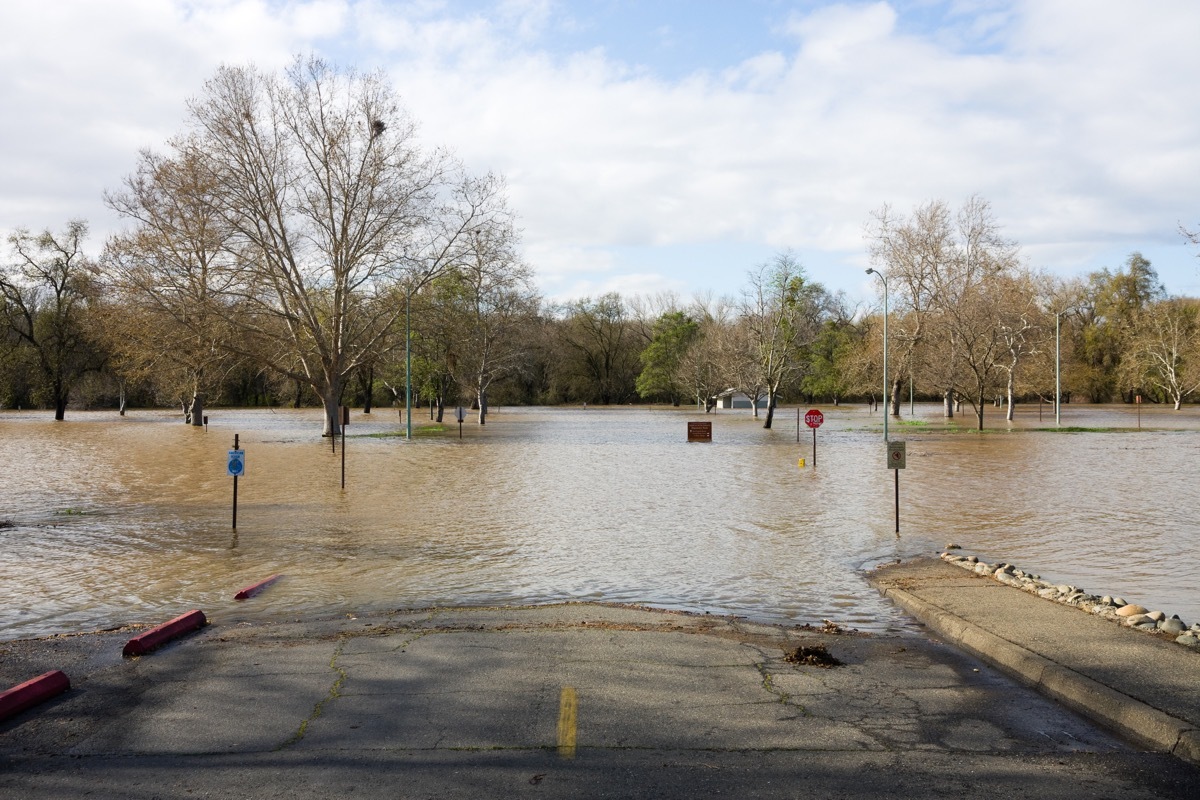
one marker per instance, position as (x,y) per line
(408,363)
(880,275)
(1058,366)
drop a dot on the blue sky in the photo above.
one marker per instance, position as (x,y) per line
(670,145)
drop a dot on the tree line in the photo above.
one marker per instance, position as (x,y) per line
(295,244)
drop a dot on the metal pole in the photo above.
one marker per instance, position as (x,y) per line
(797,424)
(235,477)
(886,401)
(408,363)
(896,472)
(1057,370)
(814,446)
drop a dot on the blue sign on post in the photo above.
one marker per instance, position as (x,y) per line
(237,463)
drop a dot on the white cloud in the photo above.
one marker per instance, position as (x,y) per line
(1078,119)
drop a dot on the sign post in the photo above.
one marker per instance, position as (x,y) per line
(460,414)
(813,419)
(236,466)
(1139,405)
(699,431)
(896,457)
(345,422)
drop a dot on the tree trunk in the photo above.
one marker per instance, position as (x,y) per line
(1011,399)
(894,400)
(979,407)
(948,404)
(331,400)
(196,412)
(770,409)
(481,397)
(368,389)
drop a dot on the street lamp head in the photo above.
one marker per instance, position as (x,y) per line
(870,271)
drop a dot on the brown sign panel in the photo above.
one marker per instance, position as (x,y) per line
(699,431)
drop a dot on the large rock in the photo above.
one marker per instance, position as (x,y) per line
(1131,610)
(1172,626)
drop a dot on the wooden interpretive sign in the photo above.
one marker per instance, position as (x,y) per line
(699,431)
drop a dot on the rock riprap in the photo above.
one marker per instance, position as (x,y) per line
(1114,608)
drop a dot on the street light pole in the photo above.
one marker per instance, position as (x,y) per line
(886,410)
(1058,367)
(408,363)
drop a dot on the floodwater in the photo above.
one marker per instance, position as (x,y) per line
(115,520)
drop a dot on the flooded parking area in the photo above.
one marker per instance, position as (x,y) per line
(116,519)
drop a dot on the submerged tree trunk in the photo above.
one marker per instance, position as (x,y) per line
(1011,392)
(770,408)
(948,404)
(894,400)
(331,399)
(196,411)
(481,399)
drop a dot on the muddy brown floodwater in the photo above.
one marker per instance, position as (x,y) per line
(117,519)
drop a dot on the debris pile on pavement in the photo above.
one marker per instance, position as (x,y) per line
(813,655)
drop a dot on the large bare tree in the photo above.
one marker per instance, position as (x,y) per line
(327,202)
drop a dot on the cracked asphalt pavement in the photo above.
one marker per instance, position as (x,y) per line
(473,702)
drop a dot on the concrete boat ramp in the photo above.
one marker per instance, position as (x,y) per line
(583,700)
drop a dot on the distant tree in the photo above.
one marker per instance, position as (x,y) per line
(781,313)
(1164,352)
(673,334)
(498,303)
(831,357)
(47,306)
(169,319)
(599,349)
(1109,310)
(915,253)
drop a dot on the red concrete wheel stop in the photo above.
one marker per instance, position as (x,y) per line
(32,692)
(254,589)
(161,634)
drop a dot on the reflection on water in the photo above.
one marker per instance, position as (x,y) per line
(122,519)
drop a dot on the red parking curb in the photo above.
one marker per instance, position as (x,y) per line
(31,692)
(254,589)
(161,634)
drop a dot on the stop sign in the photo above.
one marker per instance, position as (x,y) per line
(814,418)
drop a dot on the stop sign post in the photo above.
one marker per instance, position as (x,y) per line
(813,419)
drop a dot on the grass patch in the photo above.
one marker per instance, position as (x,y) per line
(913,423)
(424,430)
(1078,429)
(71,512)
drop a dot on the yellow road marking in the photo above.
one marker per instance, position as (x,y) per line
(568,706)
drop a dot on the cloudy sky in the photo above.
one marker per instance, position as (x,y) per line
(654,145)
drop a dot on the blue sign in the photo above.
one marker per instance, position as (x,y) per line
(237,463)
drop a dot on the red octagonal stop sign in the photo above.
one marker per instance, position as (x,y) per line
(814,418)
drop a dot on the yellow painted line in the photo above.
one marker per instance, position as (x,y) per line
(568,705)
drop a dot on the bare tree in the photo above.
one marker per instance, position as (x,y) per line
(169,320)
(1165,353)
(499,302)
(915,253)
